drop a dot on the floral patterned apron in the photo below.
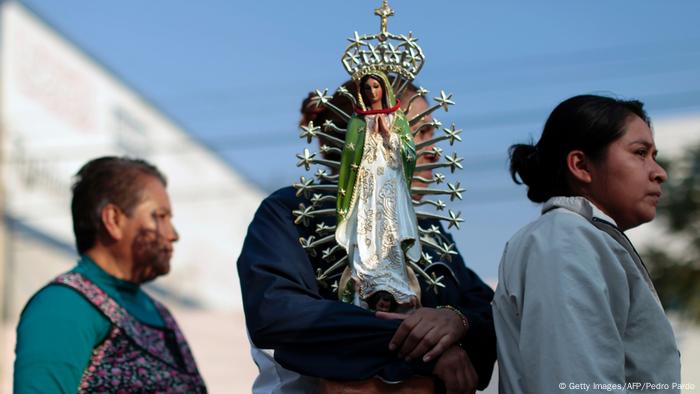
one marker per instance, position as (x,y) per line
(135,357)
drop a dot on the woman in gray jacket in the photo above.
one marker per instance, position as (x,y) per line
(575,310)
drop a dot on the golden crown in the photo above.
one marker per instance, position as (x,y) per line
(384,51)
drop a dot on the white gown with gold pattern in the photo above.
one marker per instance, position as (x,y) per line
(381,218)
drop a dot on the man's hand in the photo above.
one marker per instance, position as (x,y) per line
(456,371)
(426,333)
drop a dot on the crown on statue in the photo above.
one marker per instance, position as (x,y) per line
(401,59)
(384,51)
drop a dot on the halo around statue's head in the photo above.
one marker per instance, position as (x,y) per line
(399,58)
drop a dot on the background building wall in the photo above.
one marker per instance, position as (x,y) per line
(60,108)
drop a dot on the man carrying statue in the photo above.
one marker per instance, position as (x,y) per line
(346,284)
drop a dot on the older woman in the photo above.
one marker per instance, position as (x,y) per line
(94,329)
(575,309)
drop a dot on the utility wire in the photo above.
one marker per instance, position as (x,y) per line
(469,123)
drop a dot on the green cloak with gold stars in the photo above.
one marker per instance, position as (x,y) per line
(354,149)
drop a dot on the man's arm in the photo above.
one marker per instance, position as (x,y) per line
(465,291)
(285,312)
(55,337)
(428,332)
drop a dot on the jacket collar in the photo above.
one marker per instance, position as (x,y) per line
(578,205)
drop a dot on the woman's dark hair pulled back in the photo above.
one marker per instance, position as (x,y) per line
(588,123)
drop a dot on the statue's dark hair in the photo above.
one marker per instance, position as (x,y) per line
(385,98)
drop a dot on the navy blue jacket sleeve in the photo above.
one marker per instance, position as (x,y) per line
(285,311)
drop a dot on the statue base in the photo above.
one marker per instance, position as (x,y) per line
(414,385)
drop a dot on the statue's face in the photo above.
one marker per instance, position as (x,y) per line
(372,91)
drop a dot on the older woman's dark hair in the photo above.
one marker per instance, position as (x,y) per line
(587,123)
(102,181)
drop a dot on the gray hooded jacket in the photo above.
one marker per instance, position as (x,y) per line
(575,310)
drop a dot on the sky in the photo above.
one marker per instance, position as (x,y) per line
(234,73)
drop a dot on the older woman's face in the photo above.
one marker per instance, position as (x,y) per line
(372,91)
(626,184)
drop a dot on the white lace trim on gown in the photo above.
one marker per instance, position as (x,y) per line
(381,219)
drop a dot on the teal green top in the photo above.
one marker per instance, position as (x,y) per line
(59,328)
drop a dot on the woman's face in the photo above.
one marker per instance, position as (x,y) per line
(626,184)
(372,91)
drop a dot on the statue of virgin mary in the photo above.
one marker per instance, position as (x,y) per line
(377,224)
(376,239)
